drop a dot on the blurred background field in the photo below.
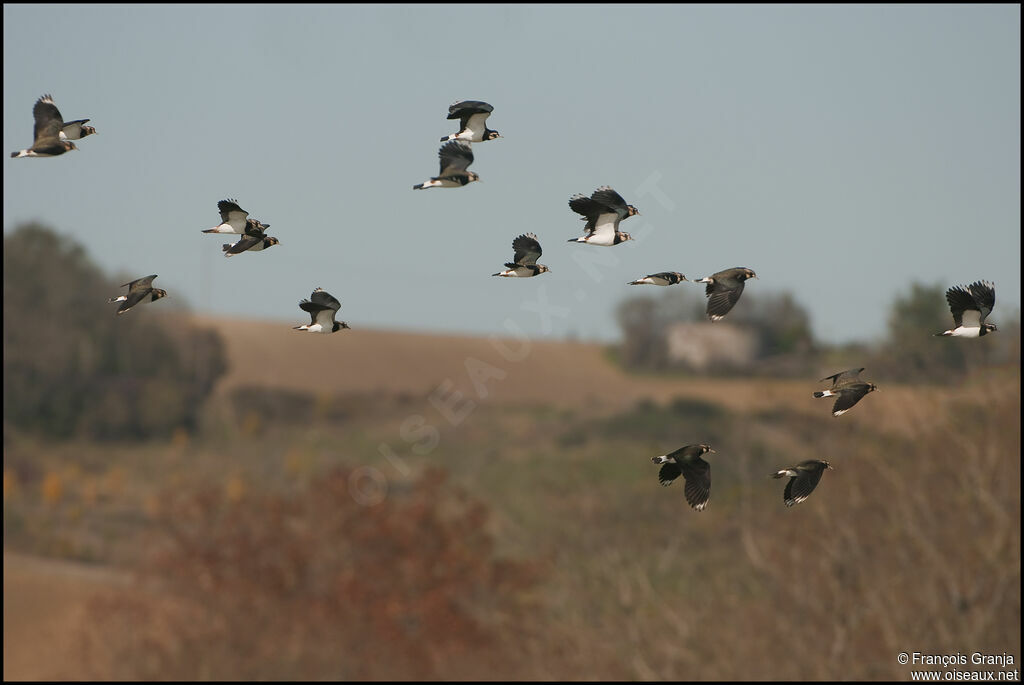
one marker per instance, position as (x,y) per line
(196,498)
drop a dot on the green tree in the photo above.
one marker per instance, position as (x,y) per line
(72,367)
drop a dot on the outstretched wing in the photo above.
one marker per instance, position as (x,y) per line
(698,482)
(527,249)
(466,108)
(984,296)
(722,298)
(802,485)
(848,376)
(140,283)
(848,397)
(48,121)
(611,200)
(233,215)
(324,298)
(456,156)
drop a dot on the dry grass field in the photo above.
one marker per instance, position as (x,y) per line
(548,550)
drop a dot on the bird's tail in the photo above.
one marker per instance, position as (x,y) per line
(418,186)
(823,393)
(943,333)
(659,460)
(304,327)
(778,474)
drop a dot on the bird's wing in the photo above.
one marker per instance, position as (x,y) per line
(48,121)
(140,283)
(233,215)
(984,296)
(668,473)
(581,204)
(456,156)
(474,123)
(848,397)
(244,243)
(961,300)
(698,482)
(527,249)
(610,199)
(465,108)
(722,298)
(848,376)
(802,485)
(322,297)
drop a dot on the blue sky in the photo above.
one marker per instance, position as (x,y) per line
(842,152)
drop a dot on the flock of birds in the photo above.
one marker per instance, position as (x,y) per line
(603,211)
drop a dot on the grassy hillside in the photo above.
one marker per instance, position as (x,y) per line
(359,520)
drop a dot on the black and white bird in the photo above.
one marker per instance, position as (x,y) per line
(50,137)
(660,278)
(253,240)
(472,116)
(322,307)
(234,219)
(138,291)
(724,289)
(970,306)
(602,211)
(686,462)
(847,388)
(456,156)
(524,263)
(803,479)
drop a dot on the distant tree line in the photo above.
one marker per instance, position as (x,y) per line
(74,368)
(785,346)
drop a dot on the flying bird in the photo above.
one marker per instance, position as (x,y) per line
(970,306)
(138,291)
(524,263)
(234,219)
(724,289)
(847,388)
(50,137)
(602,211)
(472,116)
(803,479)
(253,240)
(455,156)
(660,278)
(686,462)
(322,307)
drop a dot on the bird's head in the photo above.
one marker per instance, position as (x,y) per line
(989,327)
(827,465)
(473,176)
(706,448)
(272,241)
(631,210)
(88,131)
(623,236)
(338,325)
(542,269)
(748,273)
(872,387)
(491,135)
(158,293)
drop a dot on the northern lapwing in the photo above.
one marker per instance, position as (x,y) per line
(970,305)
(524,263)
(234,219)
(50,138)
(724,289)
(686,462)
(138,291)
(322,306)
(602,211)
(472,116)
(660,278)
(847,388)
(455,156)
(253,240)
(803,479)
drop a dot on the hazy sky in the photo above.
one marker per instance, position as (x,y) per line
(841,152)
